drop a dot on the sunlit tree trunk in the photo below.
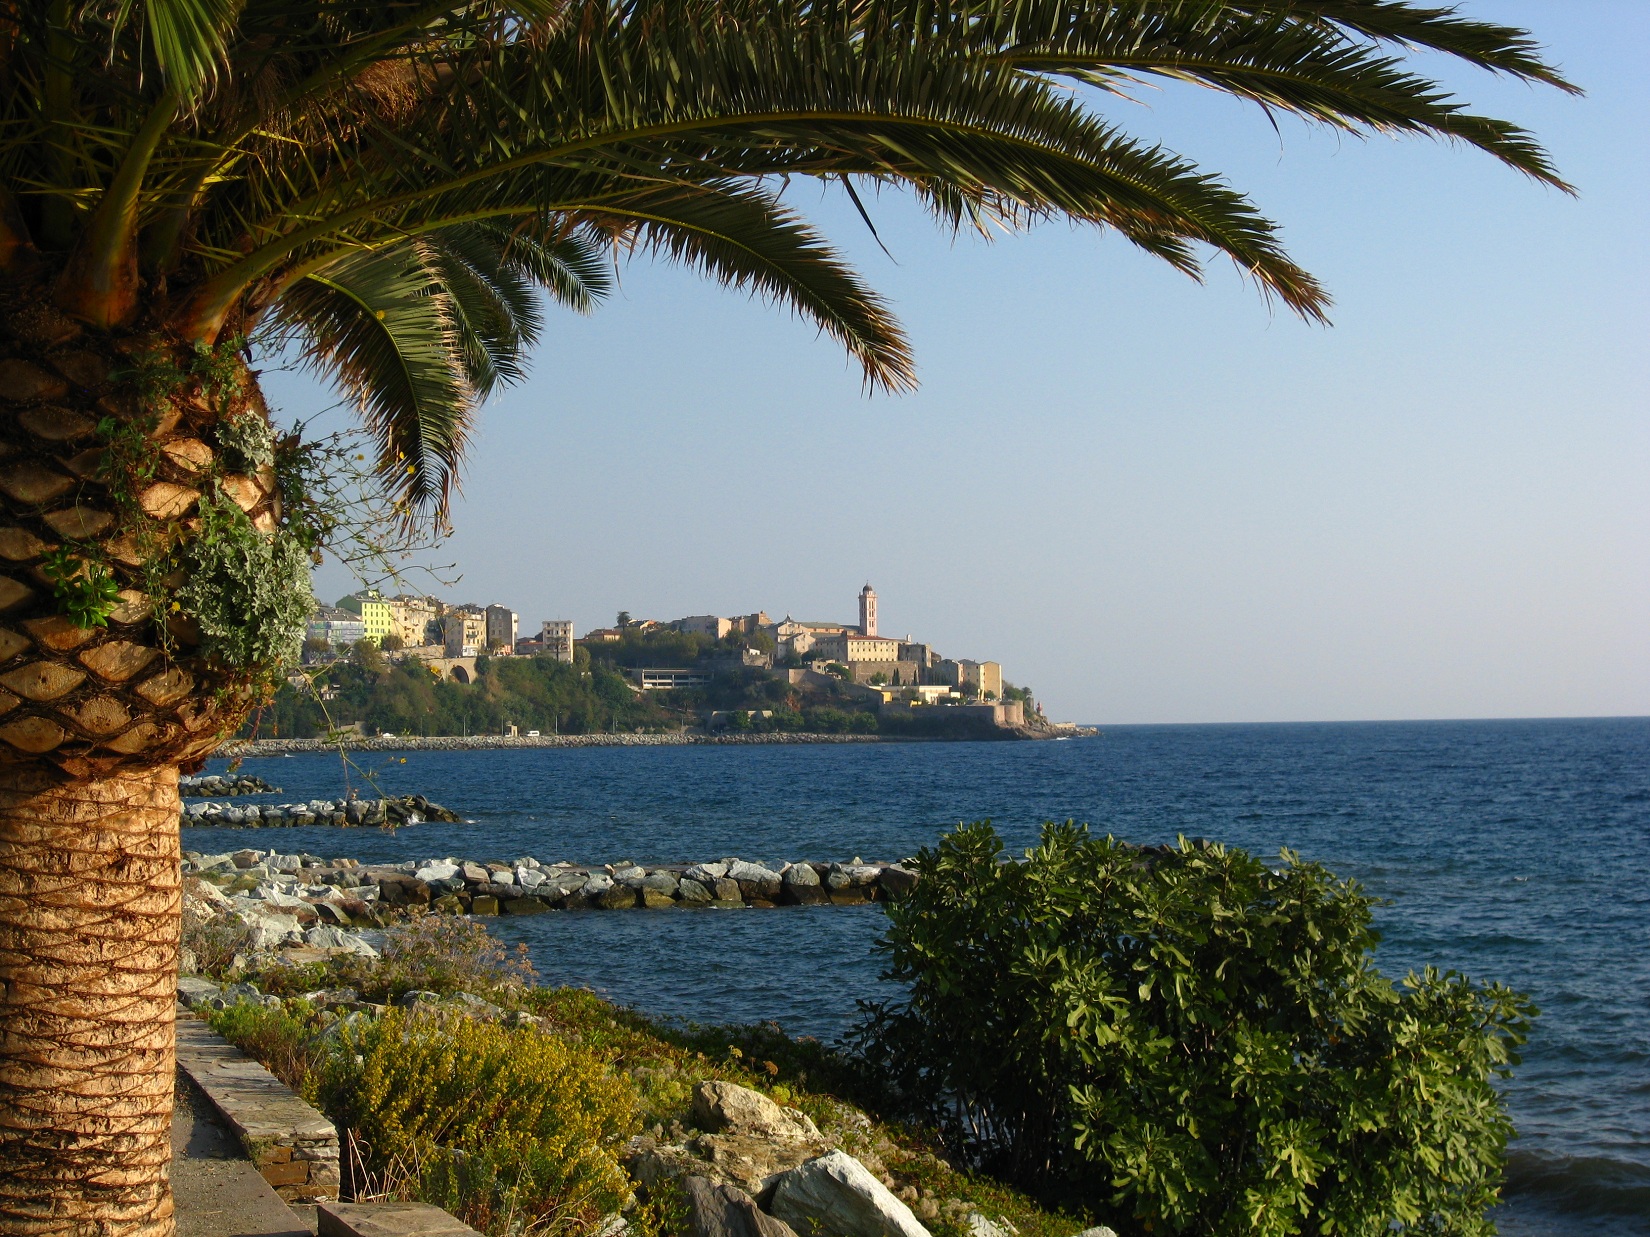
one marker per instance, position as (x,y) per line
(89,920)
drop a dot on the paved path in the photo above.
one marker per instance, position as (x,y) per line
(217,1191)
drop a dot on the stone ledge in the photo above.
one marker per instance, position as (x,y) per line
(294,1147)
(388,1220)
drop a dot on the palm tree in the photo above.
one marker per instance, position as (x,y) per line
(388,186)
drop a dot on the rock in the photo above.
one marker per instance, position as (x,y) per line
(448,904)
(193,991)
(483,904)
(1100,1230)
(896,879)
(662,881)
(805,895)
(853,895)
(725,1211)
(859,873)
(529,878)
(475,873)
(726,1106)
(614,898)
(707,873)
(596,884)
(418,997)
(630,877)
(327,938)
(654,899)
(836,1196)
(693,893)
(754,879)
(727,891)
(271,931)
(439,870)
(245,858)
(527,906)
(978,1225)
(800,874)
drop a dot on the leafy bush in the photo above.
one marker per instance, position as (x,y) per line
(1192,1040)
(491,1123)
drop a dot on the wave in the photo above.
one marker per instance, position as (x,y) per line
(1580,1185)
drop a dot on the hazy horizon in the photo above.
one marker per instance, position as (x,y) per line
(1152,501)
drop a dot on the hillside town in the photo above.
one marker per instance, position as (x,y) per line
(851,659)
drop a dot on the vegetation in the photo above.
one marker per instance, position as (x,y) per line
(1191,1042)
(588,696)
(387,191)
(576,1068)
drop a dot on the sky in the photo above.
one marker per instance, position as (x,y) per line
(1152,500)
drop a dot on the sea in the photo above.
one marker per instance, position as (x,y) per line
(1516,851)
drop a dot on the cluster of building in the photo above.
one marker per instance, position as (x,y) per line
(426,627)
(429,628)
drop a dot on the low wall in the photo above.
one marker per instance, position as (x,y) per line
(293,1147)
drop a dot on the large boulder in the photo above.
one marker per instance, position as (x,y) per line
(726,1211)
(835,1195)
(726,1107)
(755,881)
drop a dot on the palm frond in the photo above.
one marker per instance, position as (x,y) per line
(373,323)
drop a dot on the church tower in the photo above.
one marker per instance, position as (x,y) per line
(867,611)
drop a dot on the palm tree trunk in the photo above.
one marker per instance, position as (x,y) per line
(90,895)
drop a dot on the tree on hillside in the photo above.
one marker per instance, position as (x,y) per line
(385,190)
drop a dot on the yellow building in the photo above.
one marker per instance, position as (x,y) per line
(375,613)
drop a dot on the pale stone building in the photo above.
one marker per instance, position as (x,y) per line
(556,635)
(464,631)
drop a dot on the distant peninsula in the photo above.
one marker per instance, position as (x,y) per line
(410,670)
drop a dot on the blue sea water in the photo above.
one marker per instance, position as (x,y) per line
(1510,850)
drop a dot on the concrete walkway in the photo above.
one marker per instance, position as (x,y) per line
(217,1191)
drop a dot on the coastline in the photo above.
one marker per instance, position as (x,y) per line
(239,749)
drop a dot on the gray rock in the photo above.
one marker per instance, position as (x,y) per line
(755,873)
(692,892)
(529,878)
(245,858)
(1098,1231)
(836,1196)
(418,997)
(662,882)
(800,874)
(631,877)
(727,891)
(437,870)
(707,873)
(327,937)
(476,874)
(193,991)
(725,1211)
(979,1226)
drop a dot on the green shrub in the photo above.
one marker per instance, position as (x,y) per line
(282,1039)
(1191,1040)
(499,1126)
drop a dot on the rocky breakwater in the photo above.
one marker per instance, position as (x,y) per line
(527,887)
(224,784)
(344,813)
(286,902)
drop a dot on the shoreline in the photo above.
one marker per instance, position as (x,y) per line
(239,749)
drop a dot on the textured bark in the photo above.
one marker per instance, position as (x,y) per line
(130,694)
(90,896)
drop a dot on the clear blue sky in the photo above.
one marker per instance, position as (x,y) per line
(1153,500)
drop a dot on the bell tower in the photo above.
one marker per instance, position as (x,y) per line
(867,611)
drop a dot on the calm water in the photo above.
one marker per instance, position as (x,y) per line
(1517,851)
